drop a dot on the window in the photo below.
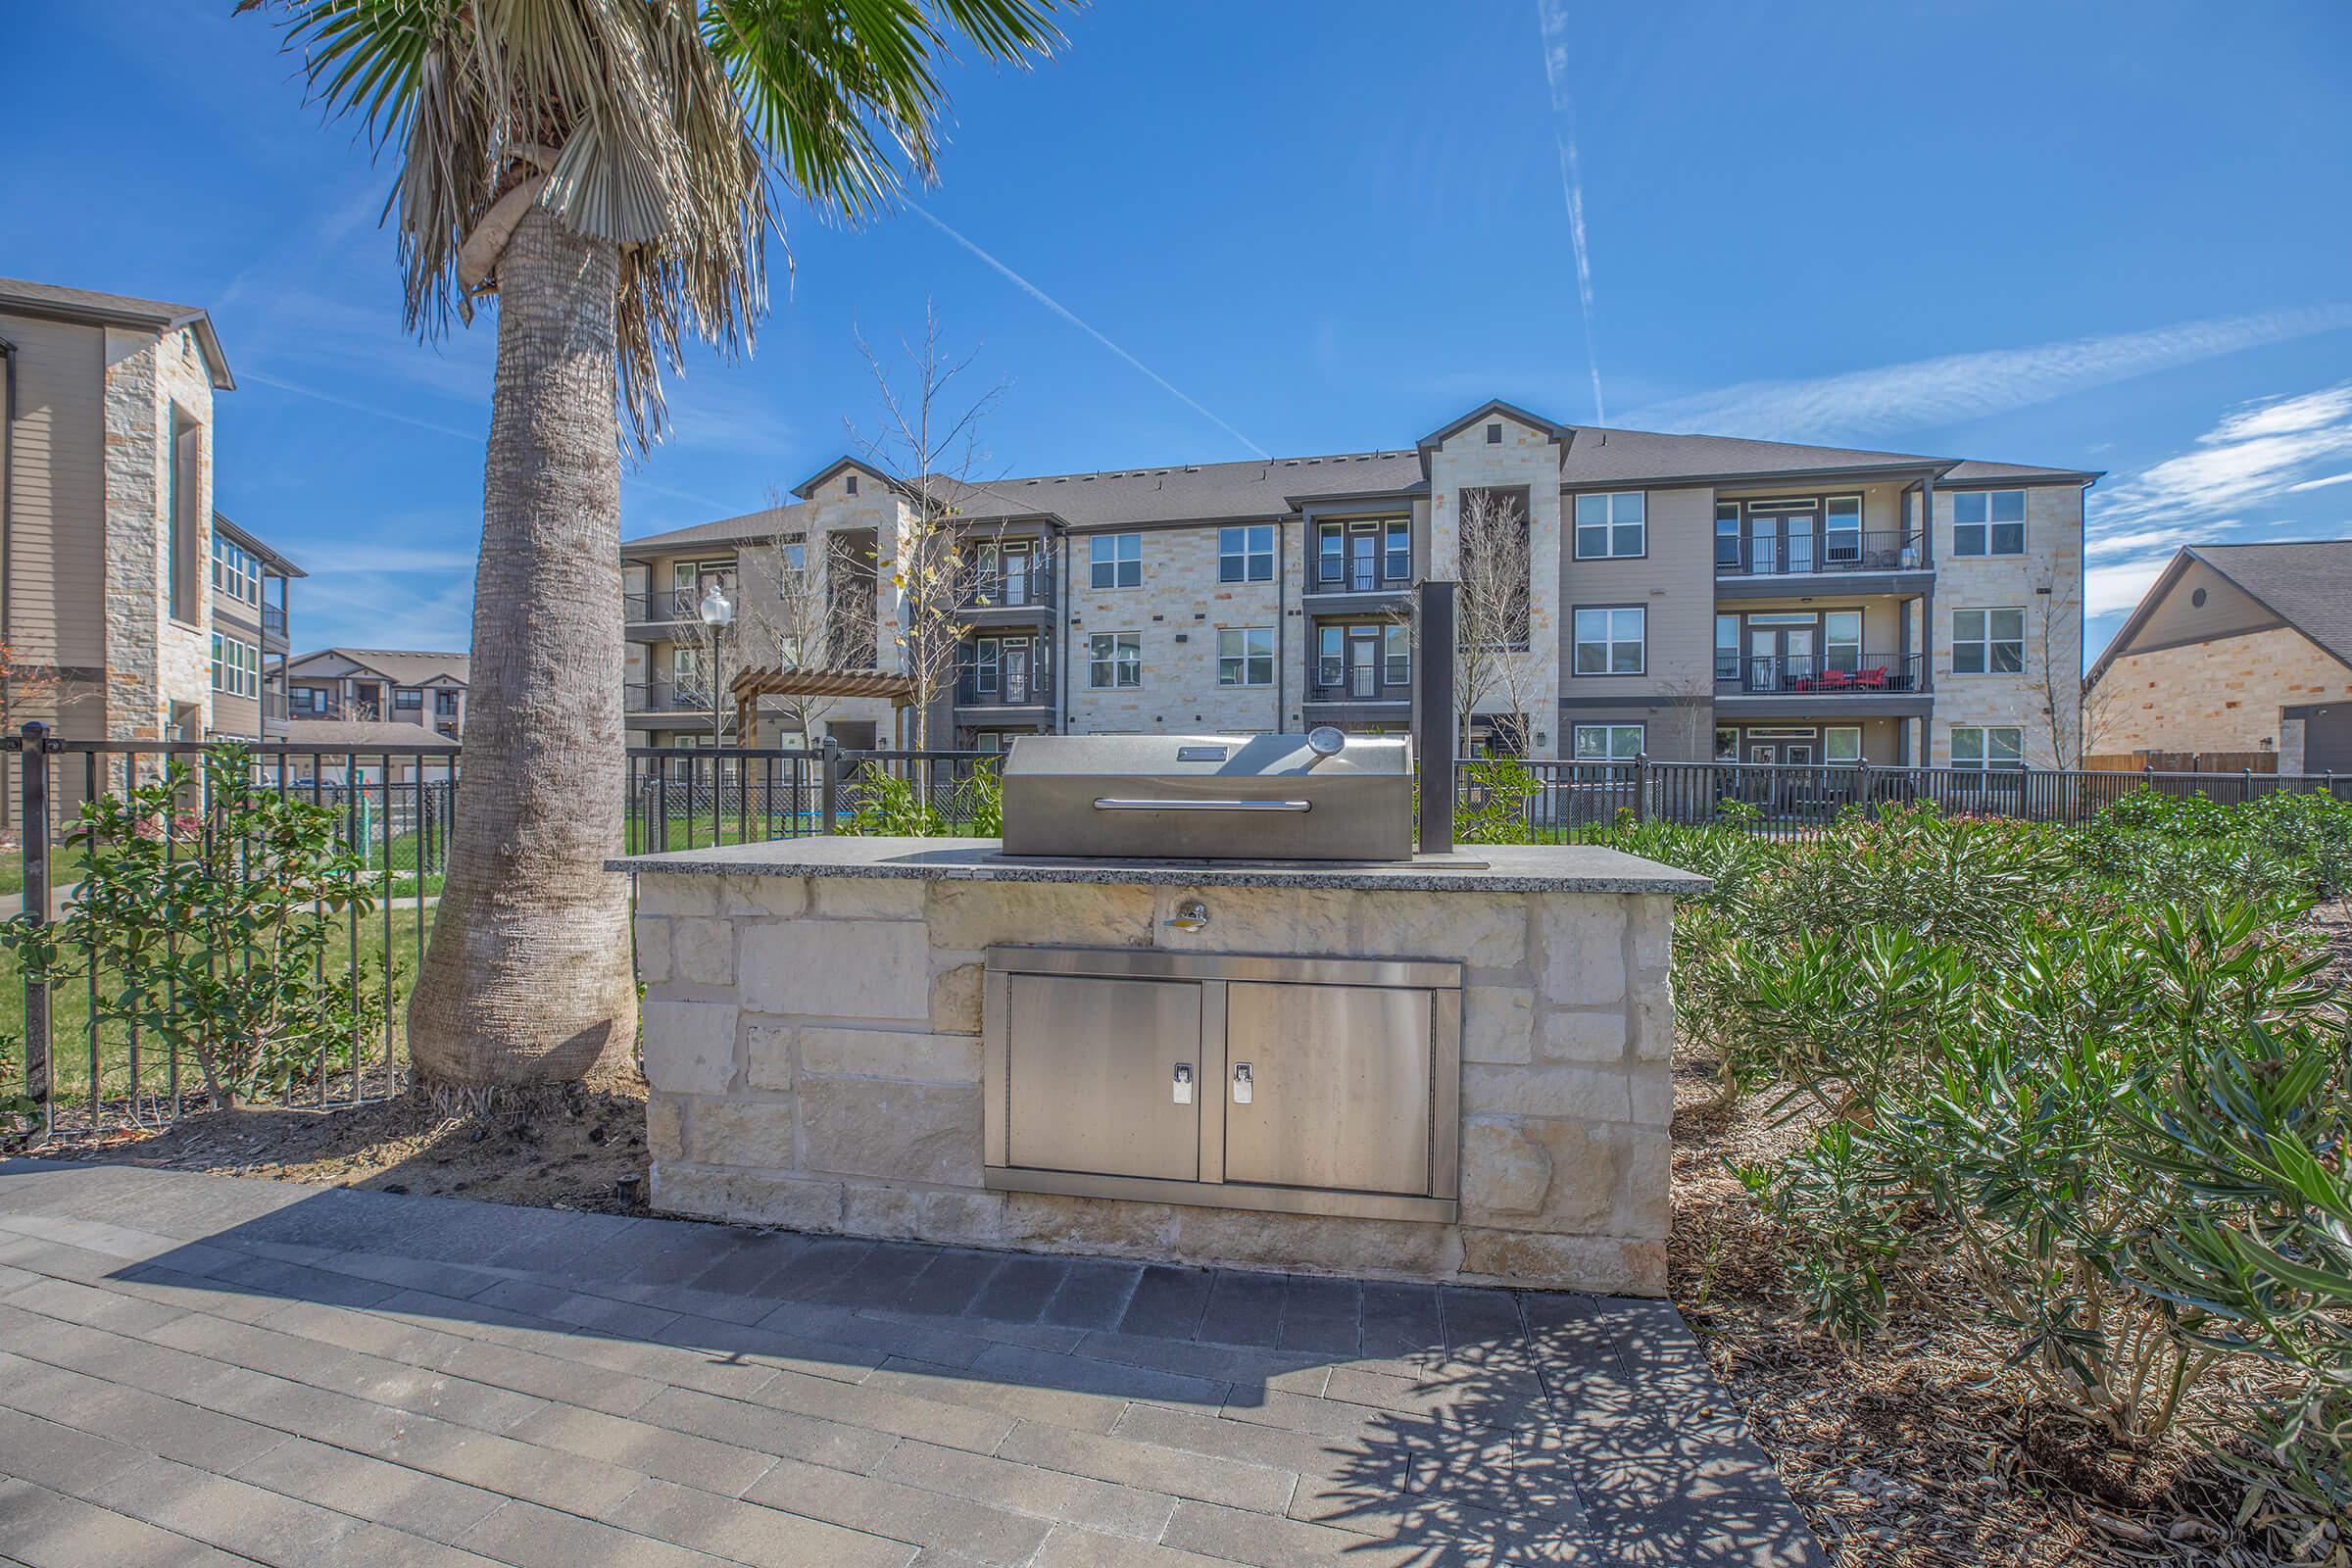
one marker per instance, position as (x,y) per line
(1245,656)
(1842,744)
(1607,743)
(1330,552)
(1243,554)
(1610,525)
(1727,647)
(1988,642)
(445,705)
(796,557)
(1726,745)
(1397,553)
(1396,655)
(185,517)
(1842,524)
(1841,640)
(1114,657)
(1987,747)
(987,654)
(1989,523)
(236,572)
(1495,436)
(1331,655)
(1116,560)
(1727,536)
(1609,641)
(236,666)
(849,485)
(407,700)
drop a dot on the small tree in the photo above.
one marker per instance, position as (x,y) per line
(210,930)
(931,451)
(1493,576)
(2061,690)
(716,650)
(793,619)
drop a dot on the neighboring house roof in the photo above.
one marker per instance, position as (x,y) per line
(24,297)
(2307,583)
(364,735)
(398,666)
(808,487)
(1272,487)
(268,557)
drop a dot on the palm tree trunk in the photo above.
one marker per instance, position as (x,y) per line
(527,978)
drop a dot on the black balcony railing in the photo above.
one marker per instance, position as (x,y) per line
(1358,683)
(660,605)
(666,697)
(1837,550)
(1030,588)
(1840,674)
(274,705)
(273,625)
(1356,577)
(1003,688)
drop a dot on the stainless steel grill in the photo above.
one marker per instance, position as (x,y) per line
(1322,795)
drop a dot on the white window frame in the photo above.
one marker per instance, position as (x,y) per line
(1114,661)
(1613,527)
(1248,652)
(1973,746)
(1985,530)
(1396,655)
(988,655)
(1613,738)
(1245,553)
(1115,560)
(1611,639)
(1832,735)
(1726,752)
(1390,529)
(1331,655)
(1982,642)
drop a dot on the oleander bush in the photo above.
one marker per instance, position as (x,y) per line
(2095,1073)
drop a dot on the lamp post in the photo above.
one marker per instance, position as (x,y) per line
(718,611)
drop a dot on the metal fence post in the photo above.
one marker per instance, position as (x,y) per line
(828,782)
(1432,715)
(33,801)
(1641,786)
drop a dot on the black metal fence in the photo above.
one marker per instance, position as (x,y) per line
(1552,800)
(395,810)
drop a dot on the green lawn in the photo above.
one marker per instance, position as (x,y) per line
(65,868)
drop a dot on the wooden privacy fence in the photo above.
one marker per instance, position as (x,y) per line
(2185,763)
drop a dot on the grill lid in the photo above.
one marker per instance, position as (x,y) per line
(1204,757)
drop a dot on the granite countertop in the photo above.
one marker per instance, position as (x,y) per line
(1478,868)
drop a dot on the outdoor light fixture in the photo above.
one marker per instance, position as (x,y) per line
(718,611)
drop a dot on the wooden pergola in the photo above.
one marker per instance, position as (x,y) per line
(753,684)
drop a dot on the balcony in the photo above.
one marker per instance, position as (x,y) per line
(1004,689)
(1839,550)
(1358,683)
(660,607)
(1030,591)
(664,697)
(1358,575)
(274,628)
(274,705)
(1835,675)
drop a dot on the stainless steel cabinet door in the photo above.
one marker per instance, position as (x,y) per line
(1335,1090)
(1103,1075)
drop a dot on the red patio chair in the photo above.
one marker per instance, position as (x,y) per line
(1872,679)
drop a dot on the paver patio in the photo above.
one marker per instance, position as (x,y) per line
(199,1369)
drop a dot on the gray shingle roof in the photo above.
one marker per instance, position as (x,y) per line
(1265,488)
(363,735)
(403,667)
(2308,582)
(122,310)
(765,523)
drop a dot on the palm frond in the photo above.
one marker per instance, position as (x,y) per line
(659,125)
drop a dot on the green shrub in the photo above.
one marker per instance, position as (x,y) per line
(204,916)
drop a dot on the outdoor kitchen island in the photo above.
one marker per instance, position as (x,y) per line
(1452,1067)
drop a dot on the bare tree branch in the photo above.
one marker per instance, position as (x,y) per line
(1493,576)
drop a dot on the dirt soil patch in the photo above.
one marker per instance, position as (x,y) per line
(1901,1452)
(587,1151)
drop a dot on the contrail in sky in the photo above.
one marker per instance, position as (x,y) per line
(1058,308)
(1551,18)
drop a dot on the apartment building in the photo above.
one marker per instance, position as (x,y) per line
(139,610)
(1690,597)
(373,694)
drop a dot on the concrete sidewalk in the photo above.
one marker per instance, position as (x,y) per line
(199,1369)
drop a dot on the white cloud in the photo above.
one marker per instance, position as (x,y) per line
(2320,484)
(351,559)
(2111,590)
(1952,388)
(1552,23)
(2255,456)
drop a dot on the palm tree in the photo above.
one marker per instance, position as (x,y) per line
(606,169)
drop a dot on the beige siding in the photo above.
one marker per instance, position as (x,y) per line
(57,484)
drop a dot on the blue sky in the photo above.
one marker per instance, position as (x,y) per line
(2113,236)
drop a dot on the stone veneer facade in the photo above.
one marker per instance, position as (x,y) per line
(814,1050)
(2223,695)
(154,663)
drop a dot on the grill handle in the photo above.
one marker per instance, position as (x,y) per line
(1115,803)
